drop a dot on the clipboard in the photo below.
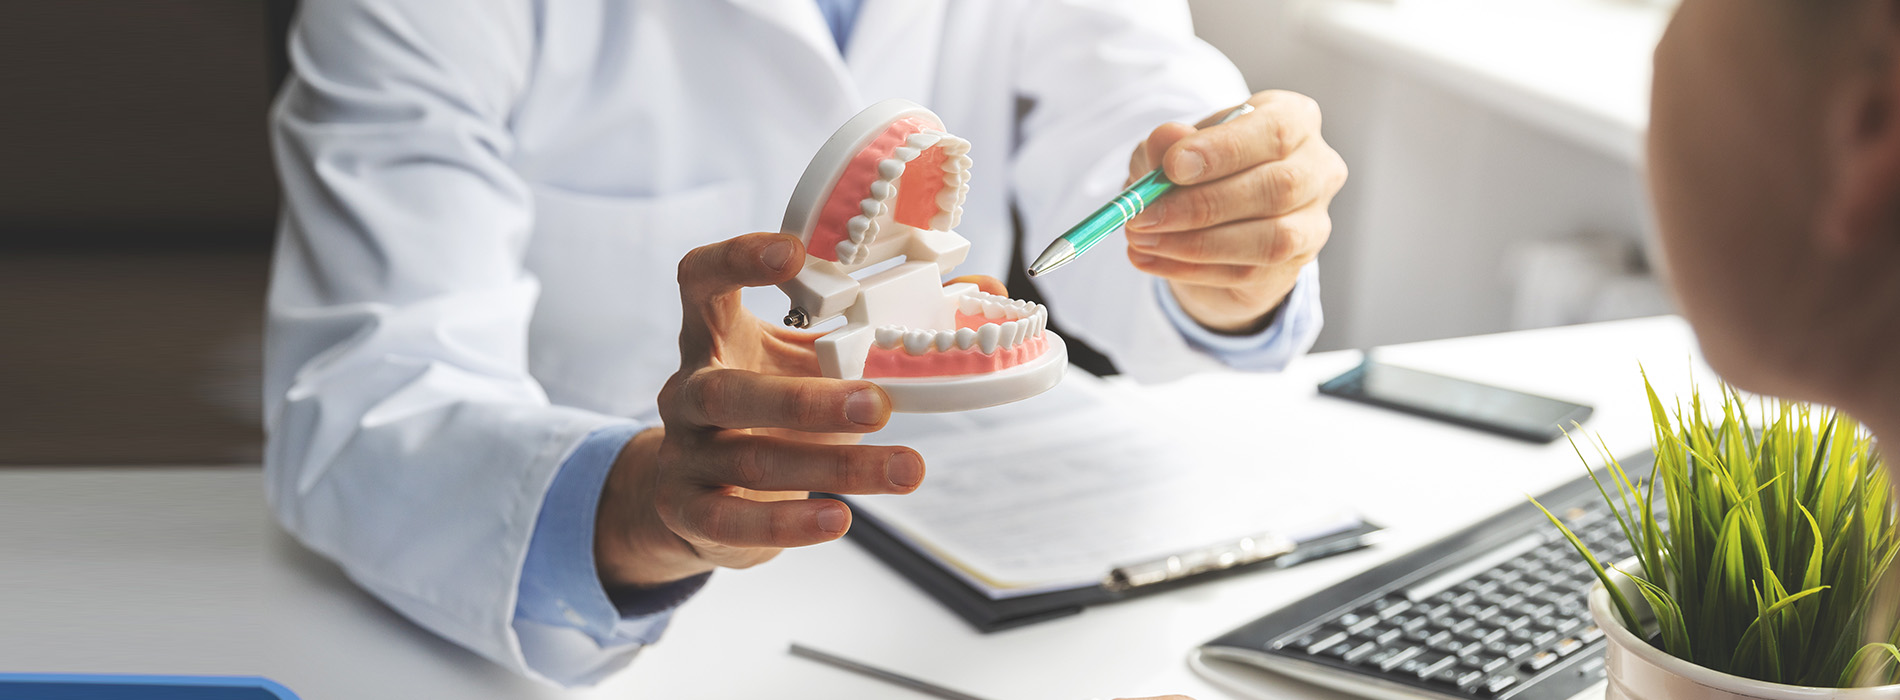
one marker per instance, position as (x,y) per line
(1166,574)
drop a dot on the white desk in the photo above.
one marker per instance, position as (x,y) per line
(181,571)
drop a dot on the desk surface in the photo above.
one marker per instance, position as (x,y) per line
(181,571)
(1578,67)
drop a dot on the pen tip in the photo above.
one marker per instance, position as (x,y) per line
(1054,256)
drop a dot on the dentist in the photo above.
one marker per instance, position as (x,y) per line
(518,382)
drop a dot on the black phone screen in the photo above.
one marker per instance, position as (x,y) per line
(1460,400)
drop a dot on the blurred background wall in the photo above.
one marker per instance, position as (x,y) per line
(137,198)
(1495,151)
(136,211)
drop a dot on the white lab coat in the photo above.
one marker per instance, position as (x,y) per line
(485,203)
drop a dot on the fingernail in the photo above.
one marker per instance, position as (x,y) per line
(776,255)
(864,408)
(1152,216)
(904,470)
(832,519)
(1188,167)
(1143,240)
(1140,258)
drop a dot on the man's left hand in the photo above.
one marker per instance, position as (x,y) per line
(1249,212)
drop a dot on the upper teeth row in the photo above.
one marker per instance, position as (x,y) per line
(863,228)
(1027,321)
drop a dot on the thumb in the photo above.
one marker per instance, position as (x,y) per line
(711,275)
(1148,155)
(984,282)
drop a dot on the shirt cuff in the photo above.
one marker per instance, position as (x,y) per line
(560,586)
(1290,335)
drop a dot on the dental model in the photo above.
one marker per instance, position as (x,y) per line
(890,184)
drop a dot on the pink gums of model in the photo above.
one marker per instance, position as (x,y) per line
(890,184)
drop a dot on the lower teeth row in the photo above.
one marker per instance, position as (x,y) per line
(986,338)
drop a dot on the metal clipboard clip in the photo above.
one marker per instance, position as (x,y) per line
(1248,550)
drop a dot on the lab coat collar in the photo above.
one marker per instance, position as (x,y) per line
(802,20)
(905,36)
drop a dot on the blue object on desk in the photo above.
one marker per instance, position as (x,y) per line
(54,686)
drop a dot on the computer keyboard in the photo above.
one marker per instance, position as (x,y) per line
(1497,611)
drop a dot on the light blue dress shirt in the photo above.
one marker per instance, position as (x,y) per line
(560,591)
(841,16)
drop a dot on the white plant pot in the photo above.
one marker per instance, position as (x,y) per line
(1639,671)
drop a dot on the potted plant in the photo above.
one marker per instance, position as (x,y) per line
(1759,555)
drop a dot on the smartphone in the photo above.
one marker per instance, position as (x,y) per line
(1467,403)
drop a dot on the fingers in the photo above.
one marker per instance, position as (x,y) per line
(710,274)
(986,283)
(1295,238)
(1274,189)
(731,398)
(761,463)
(1150,152)
(1212,275)
(722,519)
(751,260)
(1279,125)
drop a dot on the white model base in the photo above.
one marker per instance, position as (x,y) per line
(947,394)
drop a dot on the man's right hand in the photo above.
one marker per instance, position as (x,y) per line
(749,428)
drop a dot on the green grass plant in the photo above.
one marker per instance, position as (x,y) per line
(1769,547)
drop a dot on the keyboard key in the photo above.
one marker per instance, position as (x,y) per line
(1389,658)
(1431,663)
(1320,640)
(1459,677)
(1359,653)
(1411,667)
(1336,651)
(1590,634)
(1493,663)
(1496,685)
(1397,607)
(1356,623)
(1592,667)
(1568,646)
(1386,635)
(1539,662)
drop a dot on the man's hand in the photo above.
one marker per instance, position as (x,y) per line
(749,428)
(1250,212)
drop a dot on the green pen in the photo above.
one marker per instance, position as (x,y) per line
(1115,214)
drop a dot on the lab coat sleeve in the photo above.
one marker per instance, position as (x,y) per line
(1097,76)
(407,440)
(573,630)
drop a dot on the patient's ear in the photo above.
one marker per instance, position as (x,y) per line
(1862,134)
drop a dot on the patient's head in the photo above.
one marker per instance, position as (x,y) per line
(1775,167)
